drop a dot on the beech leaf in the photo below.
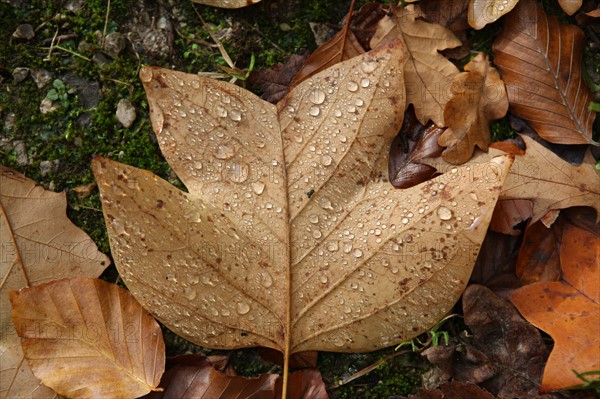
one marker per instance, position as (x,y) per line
(568,310)
(483,12)
(428,74)
(290,235)
(87,338)
(540,62)
(478,97)
(38,244)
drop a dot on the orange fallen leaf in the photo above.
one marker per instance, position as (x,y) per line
(568,310)
(428,74)
(38,243)
(87,338)
(540,63)
(478,97)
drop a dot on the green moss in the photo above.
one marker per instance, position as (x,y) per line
(397,376)
(501,130)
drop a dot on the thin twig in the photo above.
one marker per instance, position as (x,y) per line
(105,23)
(370,368)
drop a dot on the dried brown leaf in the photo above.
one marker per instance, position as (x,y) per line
(289,213)
(39,243)
(478,97)
(540,62)
(509,213)
(364,22)
(341,47)
(405,167)
(483,12)
(428,74)
(86,338)
(539,255)
(274,82)
(227,3)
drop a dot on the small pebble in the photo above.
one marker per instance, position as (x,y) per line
(20,73)
(24,31)
(41,77)
(47,106)
(126,113)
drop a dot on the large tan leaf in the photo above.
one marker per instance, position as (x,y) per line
(291,236)
(540,62)
(38,243)
(86,338)
(227,3)
(483,12)
(478,97)
(428,74)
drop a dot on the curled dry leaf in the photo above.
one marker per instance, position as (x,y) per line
(87,338)
(405,168)
(428,74)
(478,97)
(39,243)
(291,236)
(540,62)
(227,3)
(568,310)
(483,12)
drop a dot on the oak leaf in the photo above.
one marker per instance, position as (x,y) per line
(38,244)
(428,74)
(483,12)
(540,63)
(87,338)
(290,235)
(568,310)
(551,183)
(478,97)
